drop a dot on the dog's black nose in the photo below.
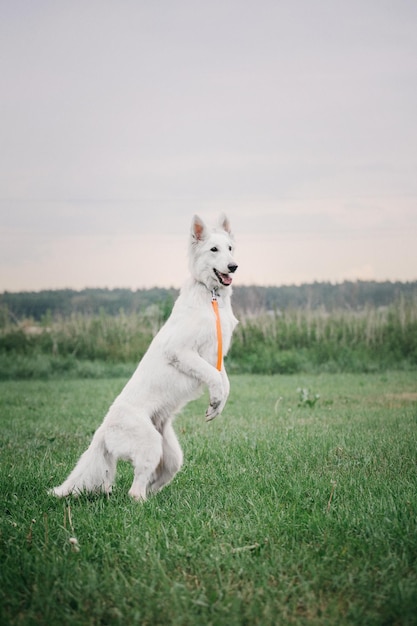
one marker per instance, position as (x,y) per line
(232,267)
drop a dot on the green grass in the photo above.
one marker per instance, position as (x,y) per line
(285,512)
(289,342)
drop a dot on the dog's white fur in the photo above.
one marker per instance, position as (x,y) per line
(179,362)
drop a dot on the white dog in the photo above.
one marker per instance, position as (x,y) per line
(180,360)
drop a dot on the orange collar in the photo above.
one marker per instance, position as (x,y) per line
(215,306)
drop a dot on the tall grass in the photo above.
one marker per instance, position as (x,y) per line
(297,340)
(315,340)
(80,345)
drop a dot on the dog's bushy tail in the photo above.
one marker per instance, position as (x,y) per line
(94,472)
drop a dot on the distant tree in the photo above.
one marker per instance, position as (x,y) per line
(247,299)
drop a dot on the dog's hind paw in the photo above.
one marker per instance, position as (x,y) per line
(57,492)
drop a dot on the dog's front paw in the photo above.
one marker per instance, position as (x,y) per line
(213,410)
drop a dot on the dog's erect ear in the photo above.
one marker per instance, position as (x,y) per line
(198,229)
(225,224)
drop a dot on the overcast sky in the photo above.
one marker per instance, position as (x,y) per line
(120,119)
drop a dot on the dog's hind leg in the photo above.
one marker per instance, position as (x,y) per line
(131,435)
(171,460)
(145,462)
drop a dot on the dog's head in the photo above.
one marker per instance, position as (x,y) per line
(211,253)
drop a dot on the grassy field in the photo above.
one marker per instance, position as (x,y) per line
(290,509)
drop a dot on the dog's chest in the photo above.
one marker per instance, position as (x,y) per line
(228,323)
(208,335)
(193,324)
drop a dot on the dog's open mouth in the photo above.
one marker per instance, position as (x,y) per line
(225,279)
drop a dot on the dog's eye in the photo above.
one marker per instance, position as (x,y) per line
(230,248)
(214,249)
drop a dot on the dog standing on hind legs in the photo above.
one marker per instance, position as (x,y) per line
(182,358)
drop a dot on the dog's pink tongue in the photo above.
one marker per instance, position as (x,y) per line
(227,279)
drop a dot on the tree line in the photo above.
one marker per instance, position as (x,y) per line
(353,296)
